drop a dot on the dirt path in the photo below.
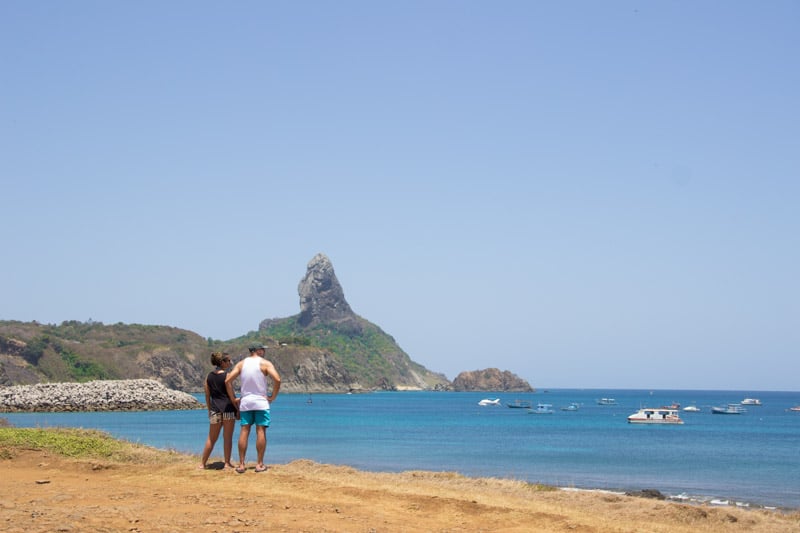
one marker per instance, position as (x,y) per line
(42,492)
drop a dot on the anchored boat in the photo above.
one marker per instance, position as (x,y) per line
(657,415)
(731,409)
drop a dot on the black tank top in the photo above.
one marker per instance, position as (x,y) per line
(220,402)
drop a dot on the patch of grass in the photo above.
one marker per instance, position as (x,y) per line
(538,487)
(78,444)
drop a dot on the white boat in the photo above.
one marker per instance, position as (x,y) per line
(489,401)
(571,407)
(542,409)
(795,408)
(655,415)
(606,401)
(691,409)
(731,409)
(751,401)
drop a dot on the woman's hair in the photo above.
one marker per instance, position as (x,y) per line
(216,358)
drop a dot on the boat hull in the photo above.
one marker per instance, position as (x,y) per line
(732,409)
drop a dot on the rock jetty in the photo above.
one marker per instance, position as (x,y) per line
(105,395)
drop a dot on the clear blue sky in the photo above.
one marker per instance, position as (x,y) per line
(588,194)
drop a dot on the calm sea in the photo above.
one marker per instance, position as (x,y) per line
(753,458)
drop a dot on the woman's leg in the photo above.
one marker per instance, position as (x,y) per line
(227,440)
(213,435)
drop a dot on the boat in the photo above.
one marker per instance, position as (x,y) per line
(730,409)
(542,409)
(655,415)
(606,401)
(520,404)
(489,401)
(571,407)
(691,409)
(751,401)
(795,408)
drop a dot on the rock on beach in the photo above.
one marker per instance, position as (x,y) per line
(101,395)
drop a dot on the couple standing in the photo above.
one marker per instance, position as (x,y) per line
(253,406)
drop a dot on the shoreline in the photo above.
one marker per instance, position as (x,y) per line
(651,493)
(695,499)
(168,493)
(571,462)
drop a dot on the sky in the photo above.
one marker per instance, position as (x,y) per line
(587,194)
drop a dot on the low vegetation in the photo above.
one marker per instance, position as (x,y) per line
(77,444)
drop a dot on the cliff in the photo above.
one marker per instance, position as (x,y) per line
(83,351)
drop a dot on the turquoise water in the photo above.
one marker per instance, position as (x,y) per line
(752,458)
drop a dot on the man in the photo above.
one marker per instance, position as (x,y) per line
(254,402)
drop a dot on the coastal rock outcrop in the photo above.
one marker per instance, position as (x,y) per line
(102,395)
(328,347)
(490,379)
(322,298)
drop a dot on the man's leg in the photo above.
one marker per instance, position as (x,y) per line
(261,445)
(244,434)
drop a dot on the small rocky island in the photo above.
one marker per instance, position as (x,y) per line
(104,395)
(491,379)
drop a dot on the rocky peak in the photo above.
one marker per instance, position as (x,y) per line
(321,295)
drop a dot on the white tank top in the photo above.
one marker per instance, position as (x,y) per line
(254,386)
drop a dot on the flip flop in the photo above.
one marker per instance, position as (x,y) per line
(261,469)
(240,470)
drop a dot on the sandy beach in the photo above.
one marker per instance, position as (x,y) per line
(163,491)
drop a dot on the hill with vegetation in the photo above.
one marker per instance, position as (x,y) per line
(325,348)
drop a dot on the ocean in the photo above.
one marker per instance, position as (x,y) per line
(748,459)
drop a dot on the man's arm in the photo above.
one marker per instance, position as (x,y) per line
(269,370)
(232,375)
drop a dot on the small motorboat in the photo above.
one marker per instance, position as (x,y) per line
(520,404)
(489,401)
(691,409)
(751,401)
(542,409)
(730,409)
(571,407)
(606,401)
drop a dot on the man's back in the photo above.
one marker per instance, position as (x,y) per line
(253,385)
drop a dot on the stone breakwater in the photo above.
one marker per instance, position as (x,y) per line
(106,395)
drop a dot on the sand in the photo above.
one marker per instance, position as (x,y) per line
(45,492)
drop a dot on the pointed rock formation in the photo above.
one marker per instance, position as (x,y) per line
(328,345)
(322,298)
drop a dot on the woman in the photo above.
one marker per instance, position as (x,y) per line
(222,413)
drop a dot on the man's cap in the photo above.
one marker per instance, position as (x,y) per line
(257,346)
